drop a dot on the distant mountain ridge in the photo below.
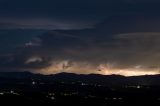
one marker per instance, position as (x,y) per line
(109,80)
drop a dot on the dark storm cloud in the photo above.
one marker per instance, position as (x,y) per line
(12,40)
(124,48)
(85,36)
(44,24)
(57,14)
(62,14)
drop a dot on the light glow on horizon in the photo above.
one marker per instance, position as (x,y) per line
(104,69)
(131,72)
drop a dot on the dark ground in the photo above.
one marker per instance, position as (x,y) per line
(57,91)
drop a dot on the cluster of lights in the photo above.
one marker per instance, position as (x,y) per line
(9,92)
(114,98)
(51,96)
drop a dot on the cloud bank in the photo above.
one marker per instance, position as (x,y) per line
(105,37)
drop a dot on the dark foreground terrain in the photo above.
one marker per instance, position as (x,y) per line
(21,88)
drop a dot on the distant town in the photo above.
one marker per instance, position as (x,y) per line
(67,88)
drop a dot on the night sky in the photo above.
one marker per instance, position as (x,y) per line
(80,36)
